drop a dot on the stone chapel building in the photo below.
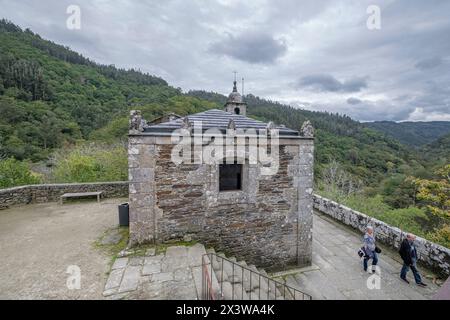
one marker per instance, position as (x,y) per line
(230,205)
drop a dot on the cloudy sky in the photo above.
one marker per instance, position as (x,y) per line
(317,55)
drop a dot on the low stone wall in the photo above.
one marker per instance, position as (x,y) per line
(51,192)
(431,254)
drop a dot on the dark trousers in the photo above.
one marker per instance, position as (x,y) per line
(416,273)
(374,260)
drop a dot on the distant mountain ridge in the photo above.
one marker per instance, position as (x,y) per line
(414,134)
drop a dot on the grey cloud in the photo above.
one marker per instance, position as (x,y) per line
(429,63)
(365,111)
(435,97)
(251,47)
(353,101)
(325,82)
(190,43)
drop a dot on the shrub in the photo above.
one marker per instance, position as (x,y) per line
(373,206)
(113,131)
(441,236)
(16,173)
(410,219)
(90,163)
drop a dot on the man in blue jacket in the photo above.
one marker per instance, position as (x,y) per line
(409,256)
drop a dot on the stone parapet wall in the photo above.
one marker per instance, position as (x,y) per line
(431,254)
(40,193)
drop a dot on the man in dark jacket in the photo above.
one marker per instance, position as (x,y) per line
(408,253)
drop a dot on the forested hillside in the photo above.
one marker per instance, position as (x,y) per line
(437,153)
(415,134)
(363,152)
(51,96)
(64,118)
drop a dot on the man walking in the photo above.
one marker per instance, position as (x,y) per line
(408,253)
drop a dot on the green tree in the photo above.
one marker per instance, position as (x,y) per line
(399,191)
(435,194)
(16,173)
(90,163)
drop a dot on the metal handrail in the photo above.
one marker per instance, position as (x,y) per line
(207,289)
(273,286)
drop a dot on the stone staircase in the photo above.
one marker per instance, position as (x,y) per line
(191,272)
(235,280)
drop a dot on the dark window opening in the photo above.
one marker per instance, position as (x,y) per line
(230,177)
(236,110)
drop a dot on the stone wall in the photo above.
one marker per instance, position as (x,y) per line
(51,192)
(267,223)
(431,254)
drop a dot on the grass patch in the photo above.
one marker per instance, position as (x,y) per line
(113,249)
(162,247)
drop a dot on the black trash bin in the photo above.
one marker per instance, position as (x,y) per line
(124,214)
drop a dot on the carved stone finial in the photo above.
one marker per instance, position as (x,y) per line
(136,122)
(231,125)
(307,129)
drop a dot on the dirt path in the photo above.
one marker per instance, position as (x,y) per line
(39,242)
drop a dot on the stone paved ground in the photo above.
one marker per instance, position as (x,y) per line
(337,271)
(172,275)
(38,242)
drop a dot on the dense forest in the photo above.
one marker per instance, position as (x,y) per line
(365,153)
(414,134)
(65,119)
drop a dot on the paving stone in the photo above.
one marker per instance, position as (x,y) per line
(227,290)
(240,293)
(170,264)
(136,261)
(119,296)
(179,290)
(144,279)
(114,279)
(177,274)
(155,259)
(162,276)
(183,274)
(341,275)
(130,279)
(151,268)
(150,252)
(120,263)
(150,291)
(195,254)
(177,252)
(110,292)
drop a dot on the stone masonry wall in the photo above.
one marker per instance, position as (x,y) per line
(51,192)
(258,224)
(431,254)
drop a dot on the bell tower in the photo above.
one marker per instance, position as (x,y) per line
(235,103)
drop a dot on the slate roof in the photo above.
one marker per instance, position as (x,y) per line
(215,118)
